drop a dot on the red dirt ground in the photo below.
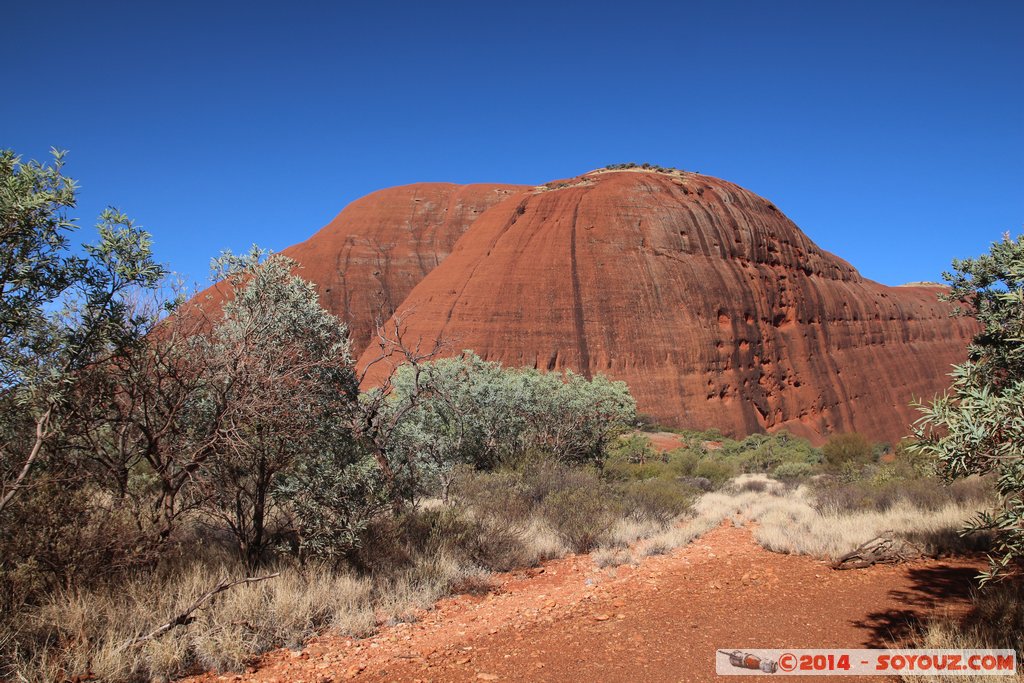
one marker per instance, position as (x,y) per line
(661,621)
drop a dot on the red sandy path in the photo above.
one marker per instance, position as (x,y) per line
(659,622)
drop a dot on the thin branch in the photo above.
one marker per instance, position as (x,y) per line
(41,434)
(185,618)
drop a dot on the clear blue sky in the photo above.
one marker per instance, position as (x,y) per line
(891,132)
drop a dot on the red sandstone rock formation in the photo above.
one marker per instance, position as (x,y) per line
(711,304)
(367,260)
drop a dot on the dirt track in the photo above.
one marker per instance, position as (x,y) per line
(661,621)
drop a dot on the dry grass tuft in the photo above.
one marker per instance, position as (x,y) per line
(630,540)
(612,557)
(627,531)
(787,521)
(541,543)
(673,537)
(92,627)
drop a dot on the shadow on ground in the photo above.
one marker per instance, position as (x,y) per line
(932,589)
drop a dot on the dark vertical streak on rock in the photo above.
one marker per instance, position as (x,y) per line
(520,209)
(577,296)
(341,267)
(417,230)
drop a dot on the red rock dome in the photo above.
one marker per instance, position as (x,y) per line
(711,304)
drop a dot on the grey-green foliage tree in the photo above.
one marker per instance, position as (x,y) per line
(477,413)
(977,427)
(281,391)
(60,312)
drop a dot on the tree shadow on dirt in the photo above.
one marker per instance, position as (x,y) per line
(931,590)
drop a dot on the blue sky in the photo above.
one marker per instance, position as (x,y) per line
(891,132)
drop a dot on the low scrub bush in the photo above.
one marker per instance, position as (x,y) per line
(541,478)
(880,493)
(714,470)
(793,471)
(657,500)
(634,449)
(582,516)
(396,544)
(501,497)
(845,451)
(581,506)
(488,543)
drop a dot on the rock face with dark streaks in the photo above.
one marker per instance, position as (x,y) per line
(367,260)
(710,303)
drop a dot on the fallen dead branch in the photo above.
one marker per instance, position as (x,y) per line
(184,618)
(884,549)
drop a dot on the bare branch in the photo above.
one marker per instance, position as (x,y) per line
(185,617)
(41,426)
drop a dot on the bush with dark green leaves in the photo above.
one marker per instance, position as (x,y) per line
(793,471)
(908,477)
(712,458)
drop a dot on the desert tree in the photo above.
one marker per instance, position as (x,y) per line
(62,311)
(977,426)
(141,424)
(574,417)
(280,390)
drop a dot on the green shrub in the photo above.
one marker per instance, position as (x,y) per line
(716,470)
(762,459)
(657,500)
(699,484)
(468,411)
(581,516)
(683,462)
(884,488)
(932,493)
(845,451)
(542,479)
(394,543)
(708,459)
(912,462)
(634,448)
(622,467)
(500,495)
(793,470)
(488,543)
